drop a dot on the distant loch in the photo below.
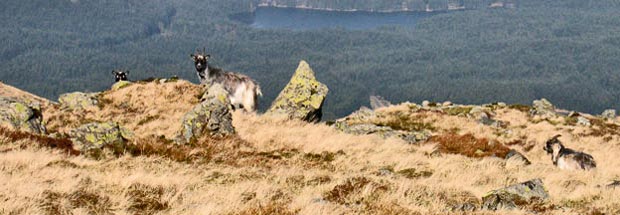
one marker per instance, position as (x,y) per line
(308,19)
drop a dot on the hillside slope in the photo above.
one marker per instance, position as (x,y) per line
(280,166)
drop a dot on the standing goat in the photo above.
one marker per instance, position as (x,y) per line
(242,91)
(120,75)
(566,158)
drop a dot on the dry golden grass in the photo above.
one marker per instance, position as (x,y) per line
(147,108)
(279,166)
(12,92)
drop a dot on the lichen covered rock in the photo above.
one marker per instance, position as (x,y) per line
(120,85)
(303,96)
(21,116)
(78,100)
(515,196)
(211,117)
(543,108)
(96,136)
(383,131)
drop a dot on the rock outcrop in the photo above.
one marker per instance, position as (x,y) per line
(78,100)
(543,108)
(302,98)
(211,117)
(361,123)
(515,196)
(18,115)
(96,136)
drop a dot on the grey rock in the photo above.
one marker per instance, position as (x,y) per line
(543,108)
(78,100)
(377,102)
(583,121)
(21,116)
(383,131)
(211,117)
(302,98)
(609,114)
(515,196)
(96,136)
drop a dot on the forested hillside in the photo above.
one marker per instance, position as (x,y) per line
(384,5)
(566,51)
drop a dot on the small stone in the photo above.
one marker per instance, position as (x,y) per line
(426,103)
(583,121)
(609,114)
(447,104)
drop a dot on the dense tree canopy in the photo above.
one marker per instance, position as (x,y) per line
(566,51)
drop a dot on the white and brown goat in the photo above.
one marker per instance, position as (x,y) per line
(242,91)
(566,158)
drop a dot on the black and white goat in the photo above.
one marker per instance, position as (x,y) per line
(120,75)
(242,91)
(566,158)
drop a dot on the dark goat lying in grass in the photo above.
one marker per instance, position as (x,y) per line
(566,158)
(242,91)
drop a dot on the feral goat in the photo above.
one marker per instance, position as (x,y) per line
(242,91)
(566,158)
(120,75)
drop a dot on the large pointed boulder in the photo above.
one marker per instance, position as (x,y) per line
(303,96)
(21,116)
(211,117)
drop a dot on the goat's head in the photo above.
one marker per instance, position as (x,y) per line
(553,145)
(120,75)
(200,61)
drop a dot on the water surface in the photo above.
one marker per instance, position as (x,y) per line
(304,19)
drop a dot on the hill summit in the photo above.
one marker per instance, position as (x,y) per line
(122,151)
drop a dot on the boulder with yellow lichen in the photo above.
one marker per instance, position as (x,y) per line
(302,98)
(211,117)
(21,116)
(96,136)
